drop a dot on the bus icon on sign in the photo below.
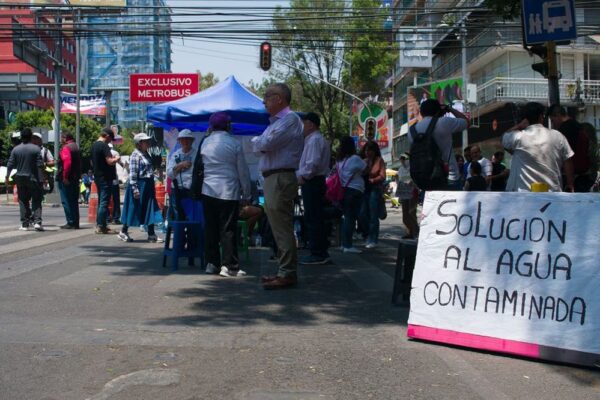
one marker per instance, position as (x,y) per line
(557,15)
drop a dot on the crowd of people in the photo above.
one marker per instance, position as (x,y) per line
(294,157)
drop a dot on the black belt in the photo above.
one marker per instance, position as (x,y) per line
(270,172)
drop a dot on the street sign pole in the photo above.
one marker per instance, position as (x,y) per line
(548,22)
(553,89)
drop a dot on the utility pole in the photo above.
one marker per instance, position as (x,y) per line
(465,80)
(78,78)
(57,80)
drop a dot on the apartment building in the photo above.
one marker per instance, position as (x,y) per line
(497,64)
(28,43)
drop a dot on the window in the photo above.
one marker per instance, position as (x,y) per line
(567,66)
(592,67)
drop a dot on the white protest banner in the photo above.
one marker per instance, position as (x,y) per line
(510,272)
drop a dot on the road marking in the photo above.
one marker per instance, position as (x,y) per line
(27,264)
(43,240)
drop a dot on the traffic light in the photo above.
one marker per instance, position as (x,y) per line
(370,128)
(541,67)
(265,56)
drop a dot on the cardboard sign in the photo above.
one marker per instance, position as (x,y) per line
(162,87)
(510,272)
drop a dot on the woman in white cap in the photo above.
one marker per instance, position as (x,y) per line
(179,168)
(140,206)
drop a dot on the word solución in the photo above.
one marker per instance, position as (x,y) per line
(493,300)
(534,229)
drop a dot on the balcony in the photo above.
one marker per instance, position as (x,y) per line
(522,90)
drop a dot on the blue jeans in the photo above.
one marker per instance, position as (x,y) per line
(370,213)
(104,194)
(313,194)
(351,208)
(69,196)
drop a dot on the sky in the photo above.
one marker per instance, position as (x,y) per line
(190,55)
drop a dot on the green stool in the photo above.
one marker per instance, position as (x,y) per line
(244,245)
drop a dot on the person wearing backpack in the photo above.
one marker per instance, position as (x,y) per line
(579,140)
(433,165)
(350,168)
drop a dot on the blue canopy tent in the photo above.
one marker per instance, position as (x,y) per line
(247,112)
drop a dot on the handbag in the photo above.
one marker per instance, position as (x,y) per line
(198,174)
(335,189)
(382,209)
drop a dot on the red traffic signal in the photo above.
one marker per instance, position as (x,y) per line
(265,56)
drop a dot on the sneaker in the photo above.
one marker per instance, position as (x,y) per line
(125,237)
(371,245)
(24,227)
(211,269)
(155,239)
(38,227)
(67,226)
(313,260)
(102,230)
(226,272)
(352,250)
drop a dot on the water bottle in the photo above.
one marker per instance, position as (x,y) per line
(258,241)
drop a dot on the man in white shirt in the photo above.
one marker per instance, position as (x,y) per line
(444,129)
(226,181)
(280,148)
(314,165)
(486,165)
(539,154)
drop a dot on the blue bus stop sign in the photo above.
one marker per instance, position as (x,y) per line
(548,20)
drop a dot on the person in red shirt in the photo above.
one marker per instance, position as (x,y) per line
(68,175)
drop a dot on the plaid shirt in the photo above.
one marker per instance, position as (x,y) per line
(140,167)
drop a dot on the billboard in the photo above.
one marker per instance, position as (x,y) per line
(162,87)
(446,92)
(415,50)
(89,104)
(382,128)
(73,3)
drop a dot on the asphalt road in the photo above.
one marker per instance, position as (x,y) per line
(84,316)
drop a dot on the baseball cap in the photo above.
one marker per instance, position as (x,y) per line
(140,137)
(37,134)
(186,133)
(312,117)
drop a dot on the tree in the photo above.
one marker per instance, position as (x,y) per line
(207,80)
(316,41)
(89,129)
(507,9)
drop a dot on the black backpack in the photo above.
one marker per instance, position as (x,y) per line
(427,167)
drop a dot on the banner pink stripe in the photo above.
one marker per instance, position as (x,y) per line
(474,341)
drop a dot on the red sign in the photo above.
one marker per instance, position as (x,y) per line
(162,87)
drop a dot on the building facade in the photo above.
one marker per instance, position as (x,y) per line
(28,50)
(144,46)
(497,64)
